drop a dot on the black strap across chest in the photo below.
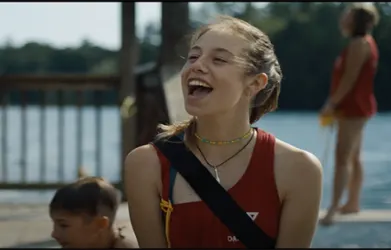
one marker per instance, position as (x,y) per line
(213,194)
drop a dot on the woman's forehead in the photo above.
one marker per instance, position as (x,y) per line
(219,41)
(213,49)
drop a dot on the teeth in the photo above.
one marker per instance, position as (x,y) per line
(199,83)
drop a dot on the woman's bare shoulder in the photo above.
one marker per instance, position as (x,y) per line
(145,152)
(295,155)
(143,158)
(294,166)
(142,166)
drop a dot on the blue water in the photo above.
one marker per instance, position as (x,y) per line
(299,129)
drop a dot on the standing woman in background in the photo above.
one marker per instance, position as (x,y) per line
(352,100)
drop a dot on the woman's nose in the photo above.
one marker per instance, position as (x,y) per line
(200,65)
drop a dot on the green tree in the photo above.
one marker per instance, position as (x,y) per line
(306,37)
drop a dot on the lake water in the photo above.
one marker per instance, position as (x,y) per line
(299,129)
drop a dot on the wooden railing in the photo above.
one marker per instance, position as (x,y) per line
(61,92)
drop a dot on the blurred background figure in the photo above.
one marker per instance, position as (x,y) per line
(353,102)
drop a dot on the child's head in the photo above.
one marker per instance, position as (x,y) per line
(83,211)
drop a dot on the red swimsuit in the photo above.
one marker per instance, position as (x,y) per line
(193,225)
(360,101)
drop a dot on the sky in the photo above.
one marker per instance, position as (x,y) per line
(67,24)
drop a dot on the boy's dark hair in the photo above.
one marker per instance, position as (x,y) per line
(92,196)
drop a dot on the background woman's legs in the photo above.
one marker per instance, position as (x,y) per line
(352,204)
(348,142)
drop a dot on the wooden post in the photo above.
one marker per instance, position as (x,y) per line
(175,26)
(128,60)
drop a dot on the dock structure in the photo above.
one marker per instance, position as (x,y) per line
(139,92)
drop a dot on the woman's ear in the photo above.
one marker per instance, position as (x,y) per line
(258,84)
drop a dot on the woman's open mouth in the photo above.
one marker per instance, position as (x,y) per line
(197,88)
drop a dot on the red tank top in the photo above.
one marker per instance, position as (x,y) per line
(360,101)
(193,225)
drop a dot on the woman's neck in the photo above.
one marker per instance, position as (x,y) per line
(219,129)
(224,127)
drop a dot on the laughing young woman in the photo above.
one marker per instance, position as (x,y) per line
(231,78)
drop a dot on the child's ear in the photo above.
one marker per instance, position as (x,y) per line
(102,222)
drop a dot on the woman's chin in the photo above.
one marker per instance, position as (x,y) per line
(194,110)
(198,110)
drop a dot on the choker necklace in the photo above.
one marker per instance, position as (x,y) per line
(217,177)
(246,135)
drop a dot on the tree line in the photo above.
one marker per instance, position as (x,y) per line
(306,37)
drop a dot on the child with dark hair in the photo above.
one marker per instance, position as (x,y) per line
(83,215)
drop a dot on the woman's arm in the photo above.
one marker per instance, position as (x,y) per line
(142,178)
(299,177)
